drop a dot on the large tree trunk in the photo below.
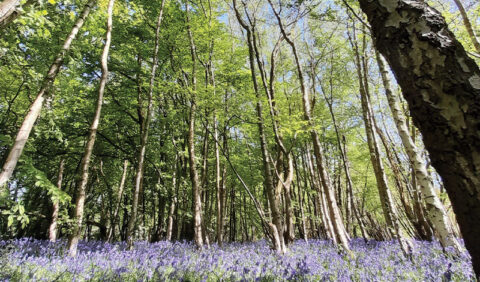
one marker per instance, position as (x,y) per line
(144,138)
(52,230)
(35,108)
(81,187)
(442,87)
(435,211)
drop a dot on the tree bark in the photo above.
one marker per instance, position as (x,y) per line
(442,87)
(36,106)
(81,187)
(144,138)
(53,230)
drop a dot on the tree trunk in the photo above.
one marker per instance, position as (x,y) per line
(276,228)
(468,26)
(435,210)
(441,85)
(81,193)
(386,198)
(218,186)
(52,230)
(144,138)
(334,212)
(197,193)
(171,211)
(119,201)
(36,106)
(9,10)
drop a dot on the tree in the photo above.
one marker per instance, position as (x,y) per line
(36,106)
(468,25)
(92,134)
(435,210)
(144,132)
(10,10)
(442,87)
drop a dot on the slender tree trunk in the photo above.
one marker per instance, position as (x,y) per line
(435,210)
(322,207)
(468,25)
(144,137)
(441,84)
(80,193)
(119,200)
(334,212)
(218,186)
(171,211)
(354,204)
(276,229)
(386,198)
(52,230)
(36,106)
(197,193)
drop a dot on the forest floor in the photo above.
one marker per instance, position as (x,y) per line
(318,260)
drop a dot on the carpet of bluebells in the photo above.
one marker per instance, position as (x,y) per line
(35,260)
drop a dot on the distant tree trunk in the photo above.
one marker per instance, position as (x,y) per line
(144,135)
(354,204)
(350,204)
(119,201)
(435,210)
(52,230)
(284,179)
(300,192)
(197,193)
(276,229)
(81,187)
(35,108)
(386,198)
(218,186)
(441,85)
(339,230)
(322,207)
(171,210)
(468,26)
